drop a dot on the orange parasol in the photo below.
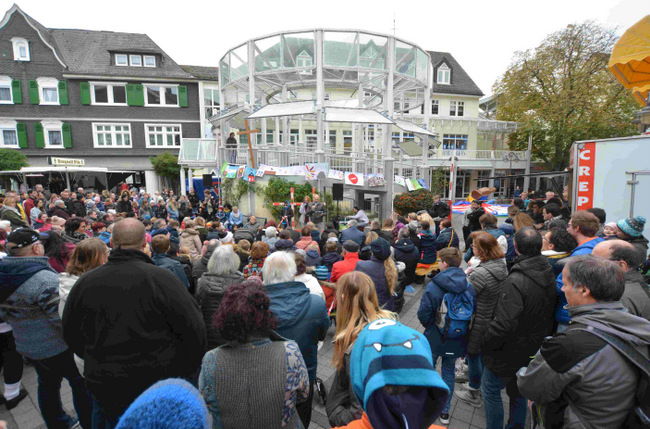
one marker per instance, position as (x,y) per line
(630,59)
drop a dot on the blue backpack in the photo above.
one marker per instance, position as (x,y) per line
(454,315)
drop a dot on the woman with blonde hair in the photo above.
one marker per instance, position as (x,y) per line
(522,220)
(357,306)
(190,239)
(364,252)
(386,231)
(383,272)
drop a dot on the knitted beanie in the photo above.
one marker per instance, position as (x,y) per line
(632,226)
(321,272)
(169,404)
(380,248)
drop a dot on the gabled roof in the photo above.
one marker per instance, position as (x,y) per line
(461,83)
(89,53)
(86,52)
(202,72)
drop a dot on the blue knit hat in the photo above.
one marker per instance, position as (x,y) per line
(387,353)
(321,272)
(168,404)
(632,226)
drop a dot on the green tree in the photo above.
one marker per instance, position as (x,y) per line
(278,190)
(12,159)
(561,92)
(439,181)
(166,166)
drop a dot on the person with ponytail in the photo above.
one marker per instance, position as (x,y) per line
(357,307)
(381,269)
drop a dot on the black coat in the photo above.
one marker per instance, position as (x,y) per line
(80,208)
(440,209)
(134,324)
(124,206)
(473,217)
(405,251)
(414,237)
(522,318)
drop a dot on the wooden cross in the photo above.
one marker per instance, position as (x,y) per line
(248,133)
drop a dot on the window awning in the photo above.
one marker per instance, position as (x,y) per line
(410,127)
(284,109)
(360,116)
(227,114)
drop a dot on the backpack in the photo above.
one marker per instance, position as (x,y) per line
(639,416)
(454,315)
(511,254)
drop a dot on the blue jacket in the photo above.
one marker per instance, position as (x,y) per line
(451,280)
(561,313)
(446,236)
(352,234)
(302,317)
(313,259)
(236,219)
(375,270)
(172,265)
(428,248)
(29,302)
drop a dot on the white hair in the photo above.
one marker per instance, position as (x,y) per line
(4,224)
(279,267)
(352,223)
(223,261)
(271,232)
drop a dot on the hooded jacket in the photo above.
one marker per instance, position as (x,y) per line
(523,316)
(452,280)
(345,266)
(13,216)
(561,313)
(151,328)
(487,279)
(302,317)
(330,258)
(166,262)
(313,259)
(376,271)
(405,251)
(579,366)
(447,238)
(190,239)
(636,297)
(428,248)
(209,293)
(29,302)
(640,243)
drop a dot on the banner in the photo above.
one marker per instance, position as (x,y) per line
(376,179)
(399,180)
(249,174)
(416,184)
(336,175)
(354,179)
(231,171)
(223,167)
(409,185)
(240,171)
(312,169)
(423,183)
(586,171)
(496,209)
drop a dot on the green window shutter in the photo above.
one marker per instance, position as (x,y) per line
(40,137)
(33,92)
(139,93)
(63,92)
(22,134)
(67,136)
(84,87)
(134,94)
(17,91)
(182,95)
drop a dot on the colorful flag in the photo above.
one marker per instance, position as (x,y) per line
(354,179)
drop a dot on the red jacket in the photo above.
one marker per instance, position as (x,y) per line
(364,423)
(347,265)
(29,205)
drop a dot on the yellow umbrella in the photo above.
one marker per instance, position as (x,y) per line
(630,59)
(641,94)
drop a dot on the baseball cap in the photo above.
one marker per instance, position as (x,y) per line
(22,237)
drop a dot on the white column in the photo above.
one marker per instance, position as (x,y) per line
(300,136)
(320,94)
(387,153)
(183,188)
(151,181)
(277,131)
(251,73)
(285,119)
(263,128)
(190,176)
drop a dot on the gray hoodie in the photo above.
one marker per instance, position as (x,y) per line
(578,377)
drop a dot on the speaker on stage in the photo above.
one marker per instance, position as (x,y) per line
(337,191)
(207,181)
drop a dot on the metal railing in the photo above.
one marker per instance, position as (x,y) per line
(477,154)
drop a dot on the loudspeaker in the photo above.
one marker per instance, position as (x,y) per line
(207,181)
(337,191)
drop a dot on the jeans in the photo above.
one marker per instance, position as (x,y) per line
(447,369)
(10,361)
(491,386)
(51,372)
(475,369)
(304,408)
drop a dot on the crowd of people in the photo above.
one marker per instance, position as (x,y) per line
(144,298)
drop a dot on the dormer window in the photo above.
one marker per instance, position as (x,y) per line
(121,60)
(149,61)
(21,49)
(135,60)
(304,59)
(444,75)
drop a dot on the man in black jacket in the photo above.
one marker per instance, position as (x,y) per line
(406,252)
(439,211)
(133,323)
(522,318)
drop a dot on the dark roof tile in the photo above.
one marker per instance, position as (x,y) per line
(461,83)
(202,72)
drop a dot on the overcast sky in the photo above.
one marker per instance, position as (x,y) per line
(482,35)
